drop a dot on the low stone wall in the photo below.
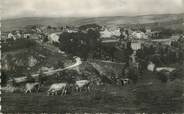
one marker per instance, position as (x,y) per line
(108,67)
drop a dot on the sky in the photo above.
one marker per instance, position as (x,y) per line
(88,8)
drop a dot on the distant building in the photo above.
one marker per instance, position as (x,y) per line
(155,34)
(139,35)
(69,29)
(166,41)
(53,38)
(38,30)
(135,45)
(148,30)
(18,35)
(105,34)
(108,33)
(26,36)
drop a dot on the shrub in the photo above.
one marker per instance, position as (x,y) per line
(162,77)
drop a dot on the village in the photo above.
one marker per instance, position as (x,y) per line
(114,36)
(92,56)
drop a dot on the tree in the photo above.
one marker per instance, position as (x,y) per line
(79,43)
(4,78)
(87,26)
(49,27)
(133,74)
(92,40)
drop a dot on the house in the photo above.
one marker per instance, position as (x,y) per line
(71,31)
(53,38)
(26,36)
(166,41)
(136,45)
(139,35)
(155,34)
(105,34)
(18,35)
(108,33)
(148,30)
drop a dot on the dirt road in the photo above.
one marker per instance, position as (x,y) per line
(48,73)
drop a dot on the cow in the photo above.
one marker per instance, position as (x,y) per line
(11,36)
(9,88)
(125,81)
(151,67)
(82,84)
(56,88)
(32,86)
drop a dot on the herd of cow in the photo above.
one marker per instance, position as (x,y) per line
(59,88)
(65,88)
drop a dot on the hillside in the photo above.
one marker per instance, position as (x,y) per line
(12,24)
(23,56)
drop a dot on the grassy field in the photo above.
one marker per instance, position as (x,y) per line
(96,101)
(142,97)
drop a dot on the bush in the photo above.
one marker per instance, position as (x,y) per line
(162,77)
(177,74)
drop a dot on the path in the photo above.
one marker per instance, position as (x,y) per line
(48,73)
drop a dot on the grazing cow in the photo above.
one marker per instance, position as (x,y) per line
(56,88)
(9,88)
(11,36)
(82,84)
(32,86)
(151,66)
(125,81)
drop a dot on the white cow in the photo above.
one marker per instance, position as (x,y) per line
(31,86)
(8,88)
(11,36)
(151,66)
(57,87)
(82,84)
